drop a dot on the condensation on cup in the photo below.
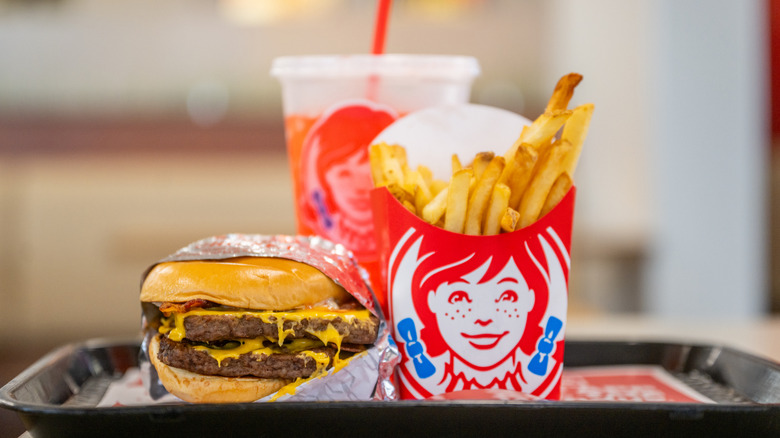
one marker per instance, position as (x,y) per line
(333,107)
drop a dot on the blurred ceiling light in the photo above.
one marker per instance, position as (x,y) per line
(441,10)
(258,12)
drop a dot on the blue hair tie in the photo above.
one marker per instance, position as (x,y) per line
(539,361)
(322,209)
(414,349)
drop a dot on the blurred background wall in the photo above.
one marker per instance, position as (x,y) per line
(130,128)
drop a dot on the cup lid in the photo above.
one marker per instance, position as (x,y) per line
(425,66)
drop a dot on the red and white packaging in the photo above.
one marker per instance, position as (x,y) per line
(627,383)
(472,313)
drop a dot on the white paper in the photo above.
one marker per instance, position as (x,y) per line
(432,135)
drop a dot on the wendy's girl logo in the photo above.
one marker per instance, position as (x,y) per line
(476,313)
(336,176)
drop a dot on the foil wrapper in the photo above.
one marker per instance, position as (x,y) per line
(367,376)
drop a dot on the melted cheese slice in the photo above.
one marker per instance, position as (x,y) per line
(292,387)
(174,327)
(256,347)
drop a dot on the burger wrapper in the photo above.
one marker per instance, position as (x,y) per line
(367,376)
(475,314)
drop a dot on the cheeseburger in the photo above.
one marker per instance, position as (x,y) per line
(241,328)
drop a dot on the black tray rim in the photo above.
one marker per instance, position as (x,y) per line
(9,402)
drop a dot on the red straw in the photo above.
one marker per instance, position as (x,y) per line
(380,26)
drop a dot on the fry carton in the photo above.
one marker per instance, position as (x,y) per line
(476,312)
(476,268)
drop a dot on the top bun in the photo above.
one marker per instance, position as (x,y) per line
(258,283)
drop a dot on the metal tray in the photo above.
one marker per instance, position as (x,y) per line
(57,396)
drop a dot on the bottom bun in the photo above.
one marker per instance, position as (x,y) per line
(198,388)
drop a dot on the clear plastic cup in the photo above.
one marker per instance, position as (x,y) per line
(334,106)
(312,84)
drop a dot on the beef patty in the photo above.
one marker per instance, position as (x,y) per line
(281,365)
(211,328)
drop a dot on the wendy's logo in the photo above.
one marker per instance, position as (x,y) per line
(471,313)
(336,176)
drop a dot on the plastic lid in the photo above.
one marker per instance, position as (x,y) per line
(426,66)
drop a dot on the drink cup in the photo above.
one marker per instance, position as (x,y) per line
(334,106)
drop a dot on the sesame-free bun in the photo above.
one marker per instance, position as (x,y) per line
(198,388)
(259,283)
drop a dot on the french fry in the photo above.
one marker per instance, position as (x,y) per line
(540,133)
(550,165)
(375,161)
(558,190)
(434,211)
(509,220)
(481,162)
(421,198)
(563,92)
(478,199)
(495,193)
(400,194)
(426,174)
(410,179)
(437,186)
(456,164)
(457,200)
(499,201)
(575,131)
(414,182)
(523,164)
(399,153)
(392,170)
(409,206)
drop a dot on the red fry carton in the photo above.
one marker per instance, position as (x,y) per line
(475,313)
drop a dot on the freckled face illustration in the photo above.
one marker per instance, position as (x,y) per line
(478,317)
(350,184)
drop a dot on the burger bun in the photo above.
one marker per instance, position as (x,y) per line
(198,388)
(258,283)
